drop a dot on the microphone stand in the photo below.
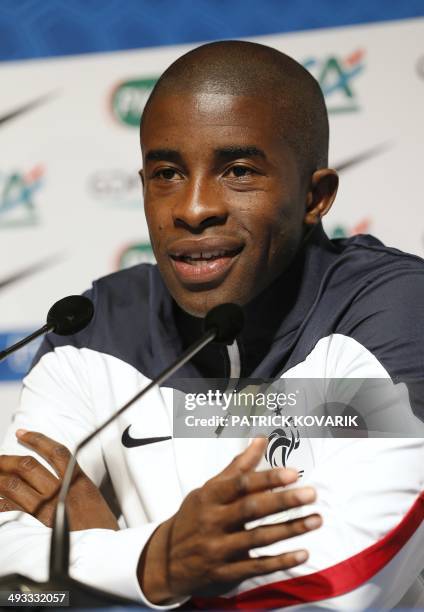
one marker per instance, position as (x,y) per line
(47,327)
(59,579)
(59,549)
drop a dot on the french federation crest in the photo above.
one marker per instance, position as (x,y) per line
(281,444)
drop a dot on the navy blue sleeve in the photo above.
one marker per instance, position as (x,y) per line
(387,318)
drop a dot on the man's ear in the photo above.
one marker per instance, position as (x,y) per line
(141,174)
(321,194)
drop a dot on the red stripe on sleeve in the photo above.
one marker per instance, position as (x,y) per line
(330,582)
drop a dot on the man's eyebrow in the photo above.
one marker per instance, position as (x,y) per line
(235,151)
(164,155)
(222,154)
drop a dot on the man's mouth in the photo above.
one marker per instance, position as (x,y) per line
(203,261)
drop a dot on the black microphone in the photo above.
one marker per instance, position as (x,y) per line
(67,316)
(222,324)
(227,320)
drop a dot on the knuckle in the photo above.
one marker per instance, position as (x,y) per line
(285,499)
(258,537)
(219,574)
(271,478)
(259,566)
(241,483)
(201,496)
(212,549)
(34,436)
(216,519)
(48,517)
(249,508)
(12,483)
(203,547)
(5,505)
(48,521)
(61,452)
(50,494)
(54,486)
(295,527)
(196,494)
(277,477)
(27,464)
(6,461)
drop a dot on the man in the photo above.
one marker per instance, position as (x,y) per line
(235,141)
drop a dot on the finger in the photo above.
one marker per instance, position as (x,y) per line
(18,492)
(7,506)
(259,505)
(247,460)
(238,543)
(56,454)
(230,489)
(31,471)
(242,570)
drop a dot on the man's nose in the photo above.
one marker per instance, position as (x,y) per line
(200,207)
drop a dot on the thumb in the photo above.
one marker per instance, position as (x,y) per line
(248,459)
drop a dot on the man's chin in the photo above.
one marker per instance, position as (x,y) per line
(199,303)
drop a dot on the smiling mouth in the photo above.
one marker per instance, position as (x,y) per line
(206,256)
(204,267)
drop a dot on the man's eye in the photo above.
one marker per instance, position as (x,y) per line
(167,173)
(240,171)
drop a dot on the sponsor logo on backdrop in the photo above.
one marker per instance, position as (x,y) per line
(17,197)
(17,365)
(29,270)
(334,73)
(128,100)
(134,254)
(116,187)
(336,76)
(344,231)
(23,108)
(354,160)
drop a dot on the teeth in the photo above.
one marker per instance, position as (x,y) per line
(200,255)
(211,255)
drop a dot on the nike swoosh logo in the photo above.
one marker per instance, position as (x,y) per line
(24,108)
(132,442)
(31,270)
(361,157)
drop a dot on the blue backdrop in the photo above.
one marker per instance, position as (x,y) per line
(34,28)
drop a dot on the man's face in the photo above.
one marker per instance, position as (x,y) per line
(224,197)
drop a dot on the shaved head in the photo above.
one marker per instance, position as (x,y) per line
(242,68)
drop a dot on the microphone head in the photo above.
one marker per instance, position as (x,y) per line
(70,315)
(227,319)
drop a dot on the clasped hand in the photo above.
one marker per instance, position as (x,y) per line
(26,485)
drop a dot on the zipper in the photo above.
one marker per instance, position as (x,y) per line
(234,357)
